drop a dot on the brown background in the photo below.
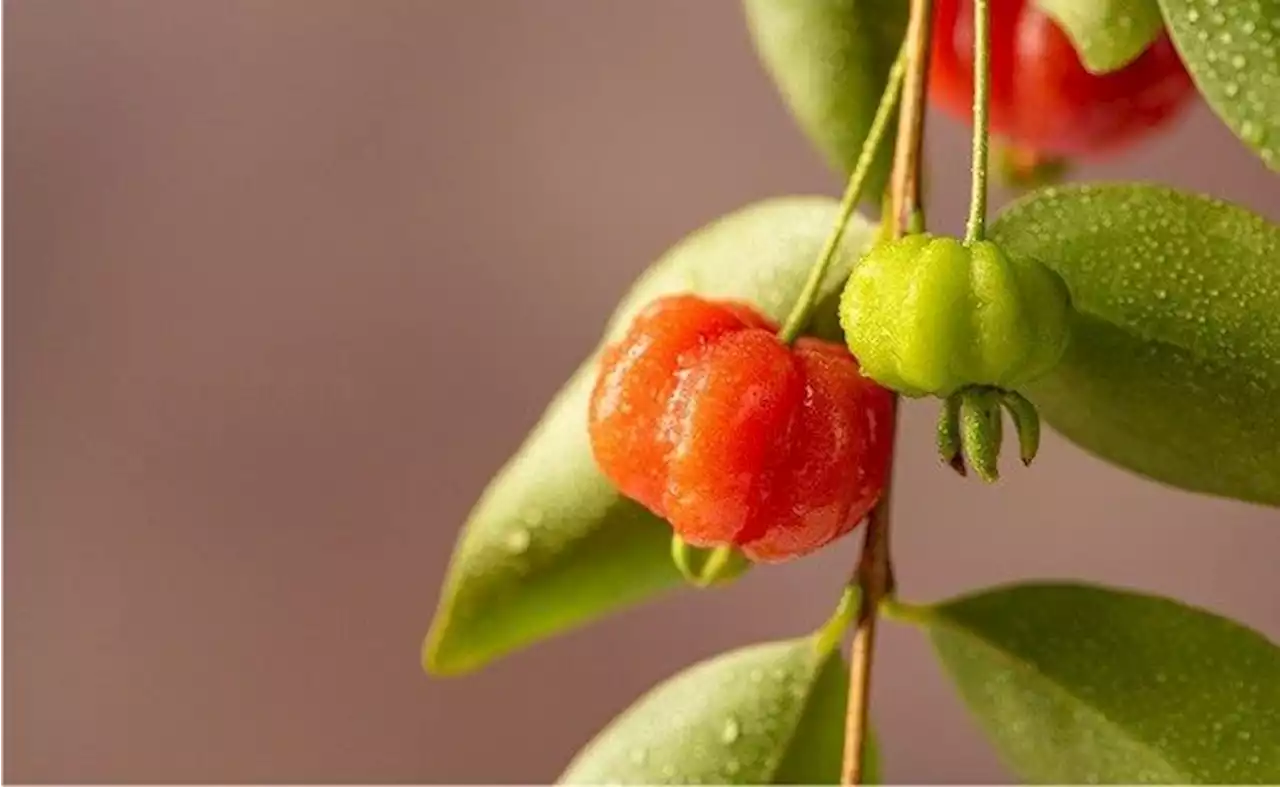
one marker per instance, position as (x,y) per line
(288,279)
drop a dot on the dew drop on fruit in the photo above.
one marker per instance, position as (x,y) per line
(732,729)
(1252,133)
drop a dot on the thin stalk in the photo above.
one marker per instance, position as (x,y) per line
(875,581)
(907,214)
(803,309)
(976,227)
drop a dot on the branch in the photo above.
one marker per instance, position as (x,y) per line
(874,573)
(907,211)
(875,581)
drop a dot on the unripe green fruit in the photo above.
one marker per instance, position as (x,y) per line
(930,315)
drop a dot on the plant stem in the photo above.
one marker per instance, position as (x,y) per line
(874,574)
(907,214)
(799,316)
(976,227)
(875,581)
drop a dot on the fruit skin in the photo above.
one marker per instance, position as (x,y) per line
(929,315)
(703,416)
(1042,97)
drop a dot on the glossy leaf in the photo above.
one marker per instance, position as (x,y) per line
(766,714)
(830,59)
(1107,34)
(1232,49)
(1077,684)
(551,544)
(1173,368)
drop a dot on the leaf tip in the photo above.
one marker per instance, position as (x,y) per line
(442,663)
(1106,38)
(1099,65)
(430,658)
(441,656)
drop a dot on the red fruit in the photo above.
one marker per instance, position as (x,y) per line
(1042,98)
(704,417)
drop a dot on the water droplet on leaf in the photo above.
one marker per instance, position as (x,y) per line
(518,541)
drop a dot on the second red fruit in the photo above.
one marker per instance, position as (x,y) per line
(704,417)
(1042,97)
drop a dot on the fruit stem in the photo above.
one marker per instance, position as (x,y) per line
(907,210)
(799,317)
(874,573)
(976,227)
(874,576)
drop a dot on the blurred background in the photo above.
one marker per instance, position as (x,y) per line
(288,280)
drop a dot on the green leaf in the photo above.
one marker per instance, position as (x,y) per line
(1230,48)
(766,714)
(551,544)
(1107,34)
(830,59)
(1173,369)
(1078,684)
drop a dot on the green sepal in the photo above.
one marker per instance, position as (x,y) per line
(981,432)
(1026,422)
(704,568)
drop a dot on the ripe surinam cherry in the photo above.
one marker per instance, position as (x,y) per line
(1043,100)
(701,414)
